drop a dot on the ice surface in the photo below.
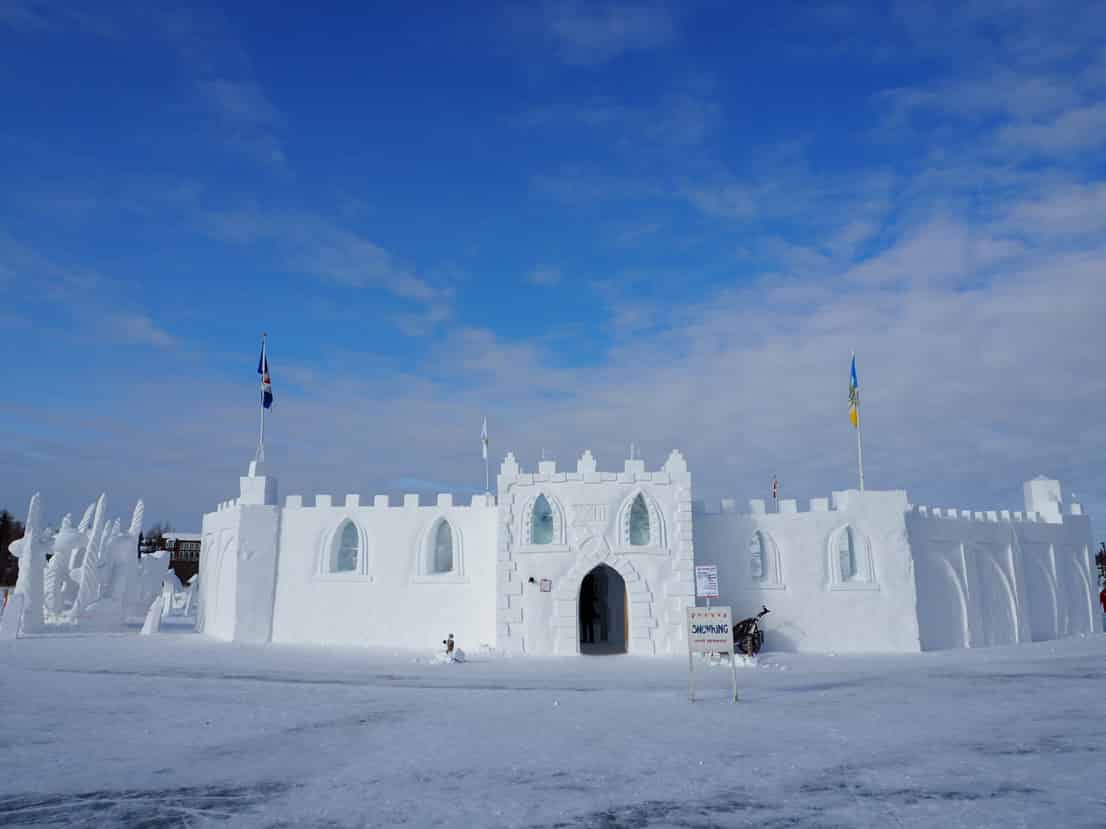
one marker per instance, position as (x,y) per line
(180,730)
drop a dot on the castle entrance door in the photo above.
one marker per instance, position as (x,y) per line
(604,624)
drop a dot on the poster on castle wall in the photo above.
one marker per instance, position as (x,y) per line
(709,630)
(706,581)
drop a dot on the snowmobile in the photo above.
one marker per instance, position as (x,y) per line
(747,635)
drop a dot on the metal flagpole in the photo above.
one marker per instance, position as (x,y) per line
(859,446)
(854,406)
(261,401)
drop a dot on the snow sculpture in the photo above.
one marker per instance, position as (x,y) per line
(153,617)
(151,572)
(88,575)
(108,572)
(31,551)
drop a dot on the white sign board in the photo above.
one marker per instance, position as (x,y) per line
(709,630)
(706,581)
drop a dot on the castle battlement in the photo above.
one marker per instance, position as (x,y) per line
(588,472)
(994,516)
(410,501)
(838,501)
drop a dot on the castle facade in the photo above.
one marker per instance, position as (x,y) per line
(591,561)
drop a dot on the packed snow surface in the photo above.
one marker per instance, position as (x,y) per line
(179,730)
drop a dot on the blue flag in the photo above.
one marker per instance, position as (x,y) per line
(266,384)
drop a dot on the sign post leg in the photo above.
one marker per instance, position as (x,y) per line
(733,671)
(690,678)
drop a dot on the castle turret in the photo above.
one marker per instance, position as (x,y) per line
(242,540)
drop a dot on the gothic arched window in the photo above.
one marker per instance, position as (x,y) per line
(847,555)
(542,528)
(441,559)
(639,522)
(346,549)
(757,562)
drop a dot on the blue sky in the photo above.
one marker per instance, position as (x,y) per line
(595,223)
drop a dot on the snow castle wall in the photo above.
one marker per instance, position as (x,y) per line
(392,597)
(797,574)
(1000,577)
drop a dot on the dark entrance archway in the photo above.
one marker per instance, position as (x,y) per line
(604,626)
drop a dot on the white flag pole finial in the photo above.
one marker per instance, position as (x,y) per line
(484,451)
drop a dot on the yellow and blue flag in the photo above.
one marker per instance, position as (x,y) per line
(854,397)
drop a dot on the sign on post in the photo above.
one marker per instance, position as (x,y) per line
(706,581)
(709,630)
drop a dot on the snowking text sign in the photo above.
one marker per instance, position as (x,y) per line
(709,630)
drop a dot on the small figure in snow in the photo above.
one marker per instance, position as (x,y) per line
(1102,599)
(452,652)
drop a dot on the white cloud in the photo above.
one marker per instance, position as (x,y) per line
(1071,210)
(544,276)
(314,245)
(239,101)
(600,31)
(1077,129)
(134,329)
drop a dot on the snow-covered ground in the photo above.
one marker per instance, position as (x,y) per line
(177,730)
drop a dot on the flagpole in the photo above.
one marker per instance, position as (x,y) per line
(859,449)
(854,412)
(484,447)
(859,444)
(261,402)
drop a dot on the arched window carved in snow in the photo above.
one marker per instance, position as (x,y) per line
(439,555)
(765,570)
(542,525)
(851,564)
(639,522)
(442,557)
(756,557)
(346,550)
(541,531)
(846,555)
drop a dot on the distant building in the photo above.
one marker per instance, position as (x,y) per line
(184,554)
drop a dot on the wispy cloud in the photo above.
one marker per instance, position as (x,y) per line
(77,299)
(44,16)
(315,245)
(592,33)
(679,119)
(239,101)
(134,329)
(544,276)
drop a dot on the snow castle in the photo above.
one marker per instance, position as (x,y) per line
(564,562)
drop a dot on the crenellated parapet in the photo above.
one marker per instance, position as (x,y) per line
(587,471)
(408,502)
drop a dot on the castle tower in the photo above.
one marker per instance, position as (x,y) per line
(242,545)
